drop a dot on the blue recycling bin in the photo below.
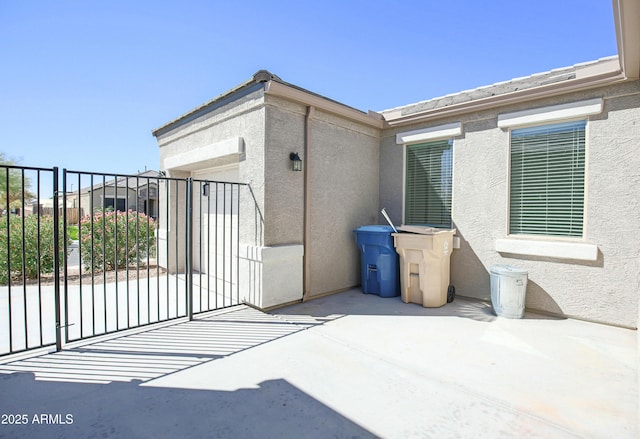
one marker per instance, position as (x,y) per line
(378,261)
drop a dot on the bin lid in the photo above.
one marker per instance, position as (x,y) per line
(508,270)
(375,229)
(425,230)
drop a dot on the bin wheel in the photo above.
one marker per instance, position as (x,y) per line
(451,293)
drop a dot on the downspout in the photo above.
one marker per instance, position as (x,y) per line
(306,239)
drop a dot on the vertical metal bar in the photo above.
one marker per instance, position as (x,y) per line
(189,247)
(156,224)
(115,247)
(38,248)
(200,195)
(136,246)
(93,292)
(127,208)
(24,261)
(137,254)
(209,249)
(56,259)
(216,245)
(148,248)
(65,264)
(137,261)
(80,267)
(104,247)
(8,214)
(238,249)
(166,247)
(65,238)
(177,221)
(224,244)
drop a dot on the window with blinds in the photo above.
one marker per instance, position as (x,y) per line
(547,180)
(429,183)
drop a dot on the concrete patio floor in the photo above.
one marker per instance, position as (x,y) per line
(347,365)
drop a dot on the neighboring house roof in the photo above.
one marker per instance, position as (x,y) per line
(128,181)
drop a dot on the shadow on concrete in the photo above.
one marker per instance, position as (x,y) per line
(355,302)
(157,352)
(106,388)
(131,410)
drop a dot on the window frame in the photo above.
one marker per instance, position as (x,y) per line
(548,237)
(451,142)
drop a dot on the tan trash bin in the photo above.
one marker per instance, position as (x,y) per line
(424,265)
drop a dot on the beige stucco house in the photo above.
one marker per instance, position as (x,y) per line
(138,193)
(304,246)
(577,232)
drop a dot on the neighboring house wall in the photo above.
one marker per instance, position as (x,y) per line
(605,289)
(98,195)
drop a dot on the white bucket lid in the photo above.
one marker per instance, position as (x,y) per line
(508,270)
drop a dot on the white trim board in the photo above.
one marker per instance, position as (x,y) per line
(438,132)
(551,113)
(203,157)
(552,249)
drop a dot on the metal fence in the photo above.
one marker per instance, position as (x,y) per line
(108,252)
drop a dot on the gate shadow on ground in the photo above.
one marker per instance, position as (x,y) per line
(158,352)
(275,409)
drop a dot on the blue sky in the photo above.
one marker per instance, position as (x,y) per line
(83,83)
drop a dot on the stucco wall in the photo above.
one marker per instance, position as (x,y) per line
(604,290)
(243,118)
(343,163)
(344,193)
(284,188)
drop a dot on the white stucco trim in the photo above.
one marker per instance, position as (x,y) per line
(432,133)
(232,149)
(271,275)
(551,113)
(553,249)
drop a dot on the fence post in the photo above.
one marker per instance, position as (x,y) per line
(65,238)
(56,258)
(189,247)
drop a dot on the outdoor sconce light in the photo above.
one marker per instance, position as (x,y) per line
(296,161)
(205,190)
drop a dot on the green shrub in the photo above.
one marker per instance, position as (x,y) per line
(111,239)
(72,232)
(37,260)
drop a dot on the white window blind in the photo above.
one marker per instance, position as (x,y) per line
(429,183)
(547,180)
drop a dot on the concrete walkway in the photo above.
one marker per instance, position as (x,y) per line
(348,365)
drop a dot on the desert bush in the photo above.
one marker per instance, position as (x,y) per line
(38,258)
(110,239)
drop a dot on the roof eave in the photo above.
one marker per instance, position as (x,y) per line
(229,96)
(627,18)
(296,94)
(543,91)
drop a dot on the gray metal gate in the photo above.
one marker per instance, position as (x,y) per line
(110,252)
